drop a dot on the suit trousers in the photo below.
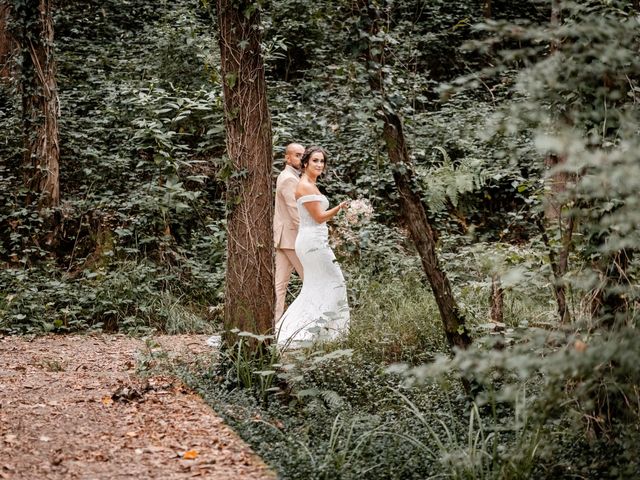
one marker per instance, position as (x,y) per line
(286,262)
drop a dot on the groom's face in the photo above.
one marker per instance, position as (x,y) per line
(293,155)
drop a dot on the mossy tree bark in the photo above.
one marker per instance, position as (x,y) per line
(40,105)
(250,298)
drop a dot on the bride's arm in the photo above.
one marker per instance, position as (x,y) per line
(321,216)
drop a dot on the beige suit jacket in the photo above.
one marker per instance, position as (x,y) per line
(285,218)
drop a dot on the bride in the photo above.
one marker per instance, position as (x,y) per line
(321,311)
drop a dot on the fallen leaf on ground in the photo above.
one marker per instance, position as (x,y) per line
(190,455)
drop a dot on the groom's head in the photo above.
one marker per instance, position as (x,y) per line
(293,154)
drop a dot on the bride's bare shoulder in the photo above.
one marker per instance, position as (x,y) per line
(305,188)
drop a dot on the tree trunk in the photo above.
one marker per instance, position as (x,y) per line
(553,214)
(487,9)
(555,19)
(7,45)
(559,265)
(422,233)
(249,299)
(497,299)
(554,204)
(40,107)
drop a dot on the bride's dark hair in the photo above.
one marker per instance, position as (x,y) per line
(304,161)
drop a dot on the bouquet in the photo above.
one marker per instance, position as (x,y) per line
(345,235)
(358,211)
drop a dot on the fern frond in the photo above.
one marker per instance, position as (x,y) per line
(331,398)
(446,182)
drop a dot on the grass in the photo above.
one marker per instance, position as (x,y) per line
(397,320)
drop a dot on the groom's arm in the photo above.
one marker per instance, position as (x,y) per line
(289,195)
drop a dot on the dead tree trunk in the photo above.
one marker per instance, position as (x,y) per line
(40,107)
(249,298)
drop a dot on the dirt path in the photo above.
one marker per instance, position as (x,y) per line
(71,407)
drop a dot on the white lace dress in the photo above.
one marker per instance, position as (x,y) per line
(321,311)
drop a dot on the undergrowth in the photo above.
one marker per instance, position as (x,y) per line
(349,410)
(134,297)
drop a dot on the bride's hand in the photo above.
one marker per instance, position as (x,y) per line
(343,205)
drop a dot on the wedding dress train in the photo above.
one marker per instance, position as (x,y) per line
(321,311)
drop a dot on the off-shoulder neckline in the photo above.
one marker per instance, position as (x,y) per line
(310,195)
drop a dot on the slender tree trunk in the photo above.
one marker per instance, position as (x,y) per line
(554,215)
(497,299)
(487,12)
(422,232)
(249,299)
(554,204)
(40,107)
(555,19)
(559,264)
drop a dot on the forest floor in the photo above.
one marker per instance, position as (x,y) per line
(73,407)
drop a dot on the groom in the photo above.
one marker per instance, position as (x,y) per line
(285,224)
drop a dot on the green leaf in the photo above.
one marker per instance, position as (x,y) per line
(230,79)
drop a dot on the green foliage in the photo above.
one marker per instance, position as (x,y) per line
(489,186)
(338,413)
(494,447)
(346,418)
(579,389)
(127,296)
(251,363)
(319,435)
(141,235)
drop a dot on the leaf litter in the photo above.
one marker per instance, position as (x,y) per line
(73,407)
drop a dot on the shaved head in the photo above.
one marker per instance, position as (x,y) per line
(293,148)
(293,154)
